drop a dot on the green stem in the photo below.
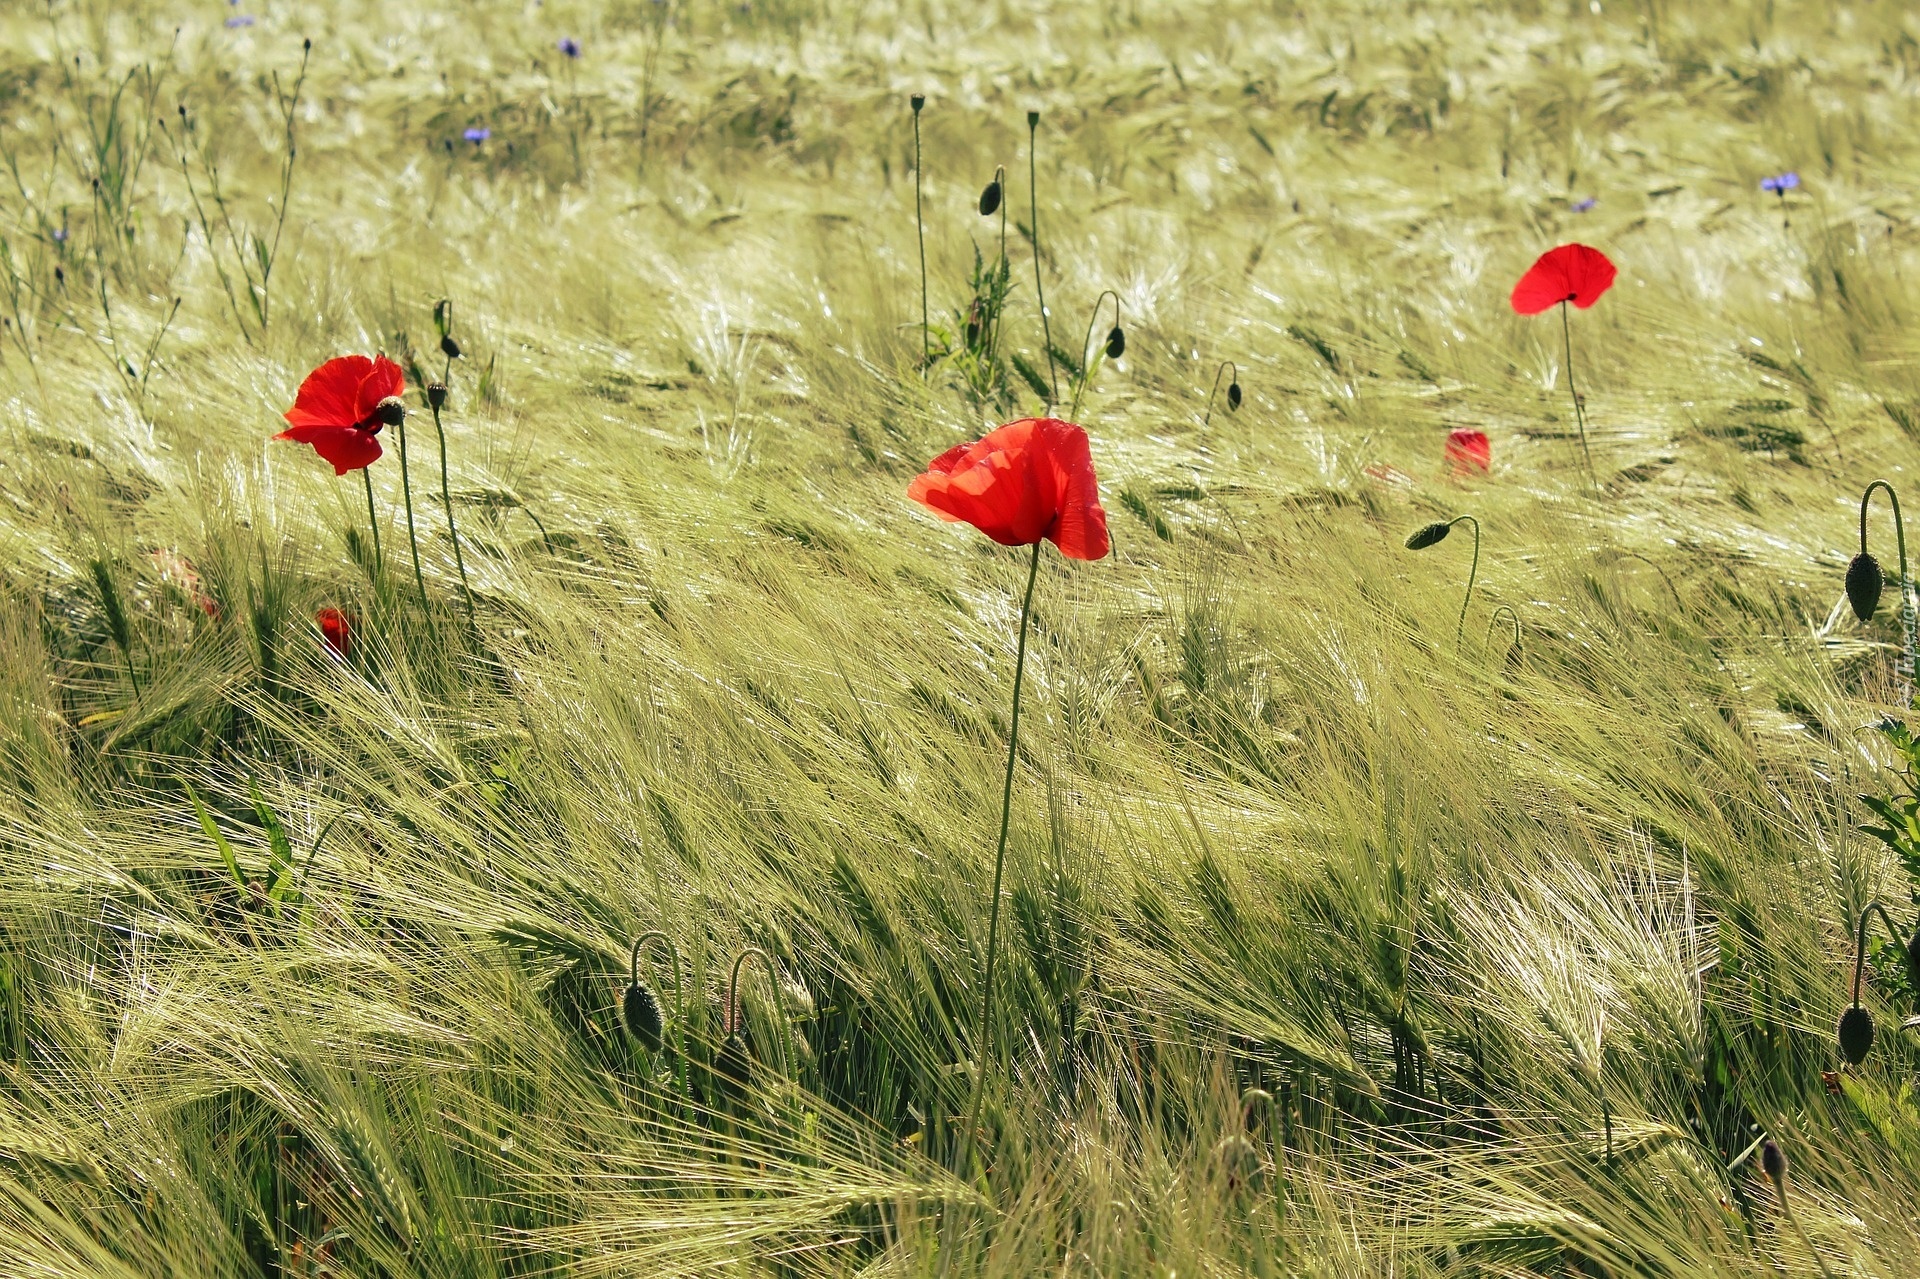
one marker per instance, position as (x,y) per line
(920,225)
(1900,536)
(1860,943)
(413,542)
(1494,621)
(1224,366)
(1033,194)
(1459,630)
(373,521)
(779,1001)
(1579,411)
(1086,344)
(982,1039)
(446,500)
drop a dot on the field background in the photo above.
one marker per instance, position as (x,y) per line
(1528,947)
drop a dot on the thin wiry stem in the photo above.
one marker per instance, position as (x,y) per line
(1224,366)
(1579,410)
(413,541)
(373,521)
(446,500)
(1860,942)
(1039,289)
(1900,538)
(920,225)
(1472,573)
(1086,344)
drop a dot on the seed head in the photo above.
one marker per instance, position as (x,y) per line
(1421,538)
(391,411)
(449,348)
(1116,343)
(1033,119)
(641,1010)
(1773,1161)
(1233,396)
(1856,1034)
(436,395)
(990,199)
(919,100)
(1863,585)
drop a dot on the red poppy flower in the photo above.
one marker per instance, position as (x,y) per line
(342,406)
(1469,450)
(1024,481)
(336,628)
(1571,273)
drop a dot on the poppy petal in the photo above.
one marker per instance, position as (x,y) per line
(382,381)
(331,394)
(343,446)
(1468,450)
(1022,482)
(1570,273)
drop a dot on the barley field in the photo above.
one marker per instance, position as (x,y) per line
(1487,908)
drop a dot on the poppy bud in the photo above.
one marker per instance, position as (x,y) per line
(734,1065)
(640,1008)
(1233,395)
(1238,1162)
(990,199)
(1863,585)
(391,411)
(1773,1160)
(1116,343)
(919,100)
(59,275)
(449,348)
(1421,538)
(1033,119)
(436,395)
(1856,1034)
(973,324)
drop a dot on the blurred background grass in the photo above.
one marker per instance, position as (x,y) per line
(1527,947)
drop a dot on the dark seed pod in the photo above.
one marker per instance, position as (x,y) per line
(449,348)
(973,325)
(641,1011)
(1773,1160)
(734,1065)
(1033,119)
(436,396)
(1233,395)
(1116,343)
(918,100)
(1421,538)
(1863,585)
(1856,1034)
(391,411)
(990,199)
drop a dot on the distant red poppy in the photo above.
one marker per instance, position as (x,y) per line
(1469,450)
(336,628)
(1024,481)
(342,406)
(1571,273)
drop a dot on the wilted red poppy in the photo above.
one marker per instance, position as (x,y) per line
(1571,273)
(336,628)
(1469,450)
(1022,482)
(342,406)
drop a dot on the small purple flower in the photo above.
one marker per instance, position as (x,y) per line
(240,20)
(477,135)
(60,236)
(1581,206)
(569,46)
(1782,184)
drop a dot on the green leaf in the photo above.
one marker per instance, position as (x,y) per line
(279,847)
(219,840)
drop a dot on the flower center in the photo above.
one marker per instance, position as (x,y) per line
(391,411)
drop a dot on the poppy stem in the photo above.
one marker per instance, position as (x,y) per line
(413,542)
(1224,366)
(1860,942)
(1512,617)
(446,500)
(1900,537)
(920,226)
(1579,410)
(1086,360)
(1039,289)
(1472,572)
(366,474)
(738,1014)
(981,1039)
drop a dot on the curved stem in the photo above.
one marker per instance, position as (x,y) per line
(1579,410)
(1860,942)
(366,474)
(1511,616)
(1900,537)
(1000,309)
(1460,629)
(920,226)
(544,538)
(446,500)
(982,1038)
(673,953)
(1671,588)
(413,541)
(1039,289)
(779,1002)
(1224,366)
(1086,343)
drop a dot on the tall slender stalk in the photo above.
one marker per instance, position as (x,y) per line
(1039,289)
(406,491)
(1086,343)
(373,521)
(1421,538)
(1233,390)
(982,1036)
(1579,409)
(920,226)
(434,401)
(1900,538)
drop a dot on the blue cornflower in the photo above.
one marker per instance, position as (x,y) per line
(240,20)
(1782,184)
(1581,206)
(570,46)
(477,135)
(60,236)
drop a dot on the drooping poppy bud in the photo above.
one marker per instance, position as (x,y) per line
(1864,580)
(734,1065)
(436,396)
(1233,396)
(640,1009)
(1773,1161)
(1856,1034)
(990,199)
(1421,538)
(449,348)
(1116,343)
